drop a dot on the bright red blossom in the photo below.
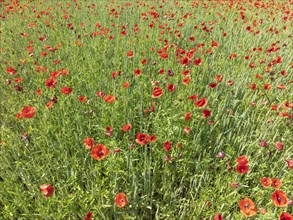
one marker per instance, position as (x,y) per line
(47,190)
(206,113)
(279,145)
(171,87)
(51,83)
(99,152)
(157,92)
(66,90)
(89,216)
(88,142)
(126,127)
(167,146)
(152,138)
(265,182)
(197,61)
(247,207)
(242,168)
(242,160)
(289,163)
(200,103)
(10,70)
(218,217)
(141,139)
(280,198)
(109,99)
(121,200)
(27,112)
(276,183)
(286,216)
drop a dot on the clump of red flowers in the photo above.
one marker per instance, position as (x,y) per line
(26,112)
(242,165)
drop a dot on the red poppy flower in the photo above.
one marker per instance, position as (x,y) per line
(171,87)
(276,183)
(185,61)
(27,112)
(50,104)
(267,86)
(281,86)
(18,80)
(162,71)
(289,163)
(126,127)
(39,92)
(247,207)
(141,139)
(218,217)
(187,116)
(218,77)
(109,98)
(125,85)
(137,72)
(157,92)
(10,70)
(192,97)
(213,85)
(186,130)
(286,216)
(99,152)
(242,160)
(280,198)
(81,98)
(100,94)
(230,82)
(130,53)
(152,138)
(66,90)
(279,145)
(89,216)
(200,103)
(185,72)
(287,104)
(242,169)
(88,142)
(51,83)
(265,182)
(167,146)
(197,62)
(186,81)
(121,200)
(206,113)
(47,190)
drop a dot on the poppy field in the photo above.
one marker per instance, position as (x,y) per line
(146,109)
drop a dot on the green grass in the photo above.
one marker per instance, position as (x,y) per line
(155,188)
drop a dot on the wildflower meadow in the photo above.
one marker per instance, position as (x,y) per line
(146,109)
